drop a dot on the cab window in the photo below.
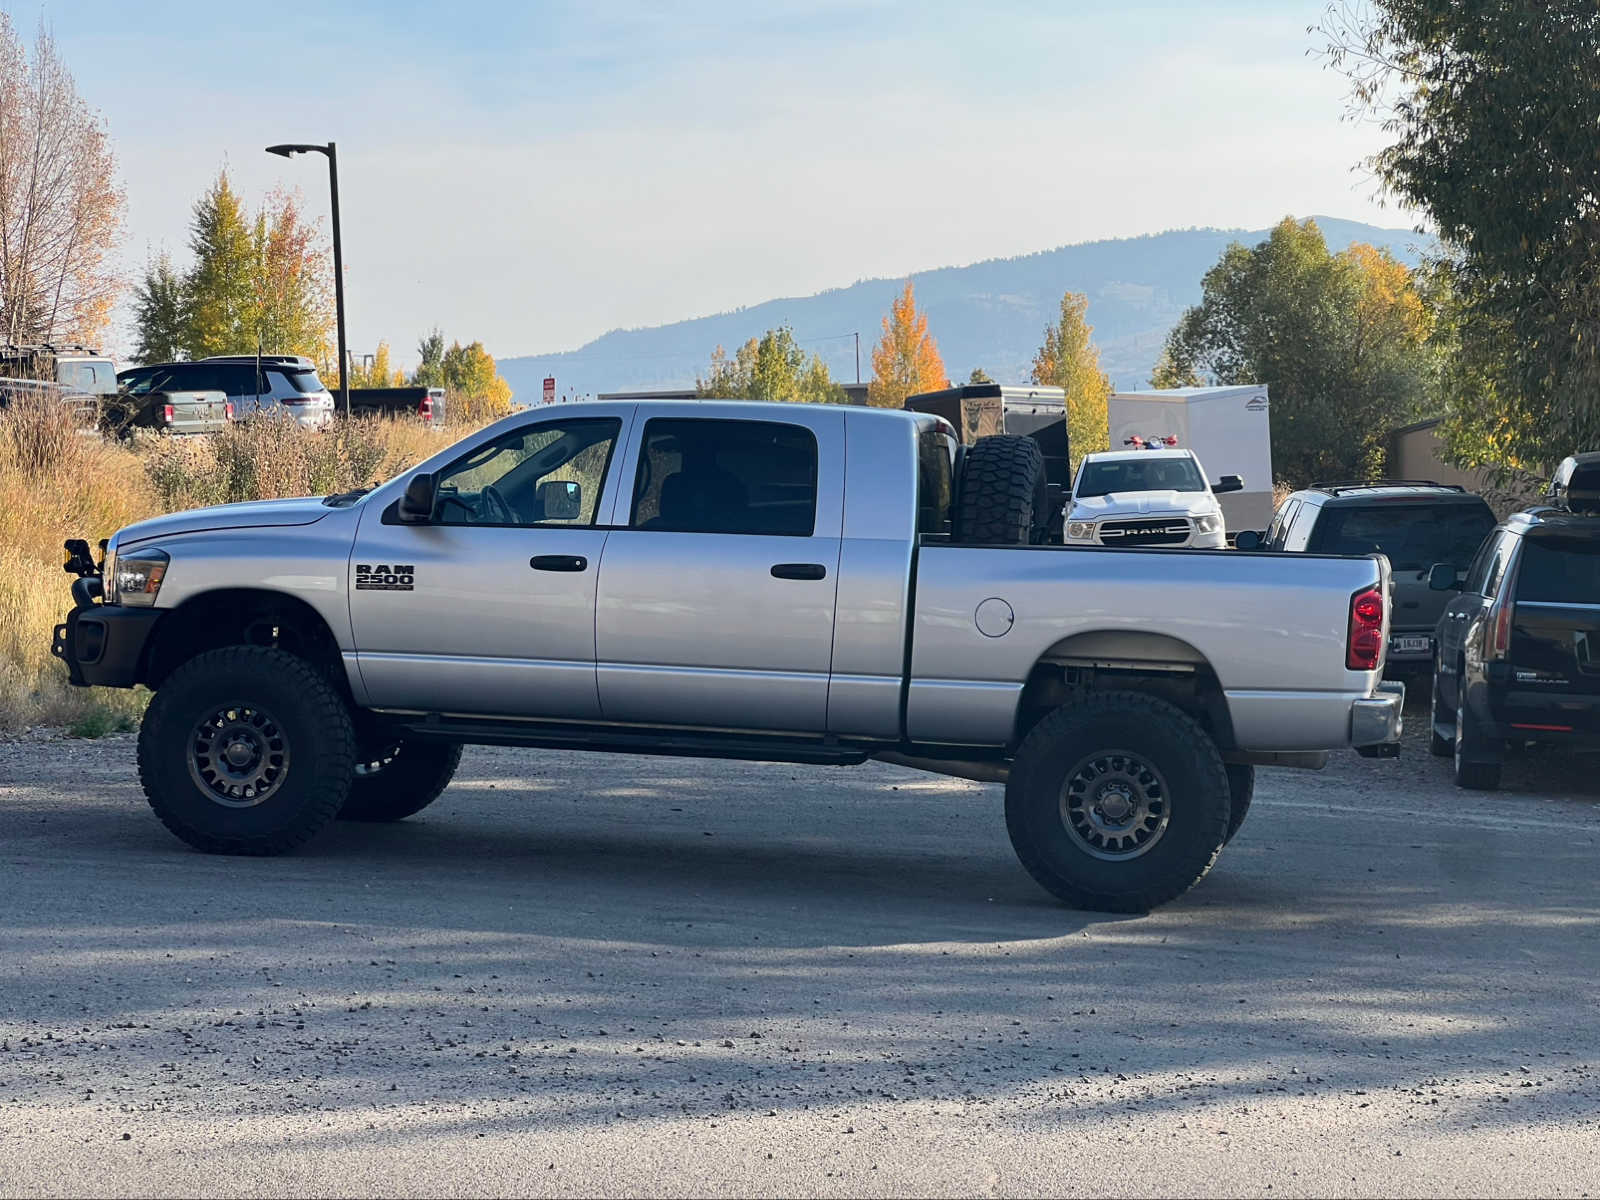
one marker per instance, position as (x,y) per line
(699,475)
(547,474)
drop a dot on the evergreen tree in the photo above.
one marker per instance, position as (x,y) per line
(158,313)
(220,290)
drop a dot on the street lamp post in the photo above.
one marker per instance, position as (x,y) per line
(289,150)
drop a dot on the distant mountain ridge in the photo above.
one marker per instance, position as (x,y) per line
(989,314)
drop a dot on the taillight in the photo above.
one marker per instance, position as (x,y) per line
(1364,650)
(425,409)
(227,409)
(166,413)
(1497,637)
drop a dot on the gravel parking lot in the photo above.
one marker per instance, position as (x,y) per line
(594,975)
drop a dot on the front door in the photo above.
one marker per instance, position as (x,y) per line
(488,609)
(716,599)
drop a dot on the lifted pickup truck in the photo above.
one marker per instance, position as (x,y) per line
(760,581)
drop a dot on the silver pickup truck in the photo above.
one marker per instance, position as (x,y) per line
(790,583)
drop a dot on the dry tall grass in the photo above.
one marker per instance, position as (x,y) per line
(56,483)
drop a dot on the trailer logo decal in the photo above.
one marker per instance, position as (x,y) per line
(385,578)
(1256,404)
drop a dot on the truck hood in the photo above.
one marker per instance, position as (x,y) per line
(251,514)
(1139,504)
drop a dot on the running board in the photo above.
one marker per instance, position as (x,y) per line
(669,742)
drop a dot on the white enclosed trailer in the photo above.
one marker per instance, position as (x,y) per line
(1227,429)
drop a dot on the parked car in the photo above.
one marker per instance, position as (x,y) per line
(1518,656)
(1413,523)
(73,375)
(284,383)
(1147,497)
(783,582)
(424,403)
(154,398)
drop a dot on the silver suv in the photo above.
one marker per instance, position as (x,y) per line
(284,383)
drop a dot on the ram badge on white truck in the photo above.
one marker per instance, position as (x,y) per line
(1147,497)
(787,582)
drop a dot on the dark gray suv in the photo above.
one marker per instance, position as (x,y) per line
(1415,523)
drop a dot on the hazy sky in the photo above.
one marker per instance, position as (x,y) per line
(537,173)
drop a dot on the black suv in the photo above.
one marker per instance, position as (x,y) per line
(1416,523)
(1519,644)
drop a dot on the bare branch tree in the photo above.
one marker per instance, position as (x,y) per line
(60,206)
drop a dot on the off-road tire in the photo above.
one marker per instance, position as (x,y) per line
(1476,759)
(1001,488)
(1241,790)
(406,777)
(1197,801)
(309,717)
(1439,745)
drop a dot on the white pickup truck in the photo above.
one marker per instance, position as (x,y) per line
(1152,496)
(796,583)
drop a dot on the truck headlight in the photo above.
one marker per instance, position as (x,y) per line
(1080,531)
(1208,523)
(135,578)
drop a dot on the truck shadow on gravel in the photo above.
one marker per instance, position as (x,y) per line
(574,951)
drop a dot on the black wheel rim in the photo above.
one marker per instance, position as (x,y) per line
(1115,805)
(238,755)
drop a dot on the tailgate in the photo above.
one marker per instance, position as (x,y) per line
(195,412)
(1555,634)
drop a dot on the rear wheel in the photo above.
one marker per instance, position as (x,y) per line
(400,778)
(246,750)
(1477,757)
(1117,802)
(1002,492)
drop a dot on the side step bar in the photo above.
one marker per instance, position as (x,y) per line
(674,743)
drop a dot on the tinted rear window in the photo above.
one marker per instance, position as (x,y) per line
(718,476)
(1560,571)
(305,381)
(1413,536)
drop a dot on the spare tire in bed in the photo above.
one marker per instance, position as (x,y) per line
(1001,496)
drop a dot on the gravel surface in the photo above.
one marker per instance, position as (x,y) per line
(608,975)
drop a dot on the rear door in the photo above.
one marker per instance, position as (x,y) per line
(1555,630)
(717,591)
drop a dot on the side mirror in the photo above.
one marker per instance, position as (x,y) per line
(560,500)
(1442,578)
(1247,539)
(416,506)
(1228,483)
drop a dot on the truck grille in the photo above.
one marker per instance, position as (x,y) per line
(1160,532)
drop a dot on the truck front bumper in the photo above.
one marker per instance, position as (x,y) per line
(1376,722)
(102,644)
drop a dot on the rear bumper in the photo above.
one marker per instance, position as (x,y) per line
(103,645)
(1376,722)
(1529,715)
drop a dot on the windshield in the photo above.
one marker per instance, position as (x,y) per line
(1560,571)
(96,376)
(1413,536)
(1139,475)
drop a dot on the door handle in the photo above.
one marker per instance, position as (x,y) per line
(558,562)
(799,571)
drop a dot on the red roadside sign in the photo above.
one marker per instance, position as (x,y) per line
(549,389)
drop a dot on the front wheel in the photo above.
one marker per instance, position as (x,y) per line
(1117,802)
(401,778)
(246,750)
(1441,724)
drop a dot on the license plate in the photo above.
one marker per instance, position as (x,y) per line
(1410,645)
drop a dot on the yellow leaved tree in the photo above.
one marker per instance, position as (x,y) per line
(906,359)
(1068,360)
